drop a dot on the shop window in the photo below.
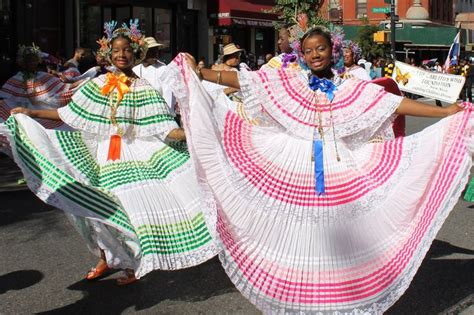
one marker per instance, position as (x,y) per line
(162,31)
(122,15)
(7,50)
(145,16)
(107,14)
(91,25)
(361,8)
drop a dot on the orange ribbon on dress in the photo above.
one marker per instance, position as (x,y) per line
(114,148)
(117,82)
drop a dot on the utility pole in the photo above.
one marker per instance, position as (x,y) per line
(393,19)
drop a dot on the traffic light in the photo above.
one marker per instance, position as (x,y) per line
(380,37)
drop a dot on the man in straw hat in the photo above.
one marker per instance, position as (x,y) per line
(151,68)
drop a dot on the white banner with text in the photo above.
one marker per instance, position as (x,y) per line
(440,86)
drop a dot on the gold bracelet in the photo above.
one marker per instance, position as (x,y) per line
(218,81)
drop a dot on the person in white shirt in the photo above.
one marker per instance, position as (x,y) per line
(150,70)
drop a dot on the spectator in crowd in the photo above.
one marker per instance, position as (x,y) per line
(351,54)
(202,63)
(469,80)
(388,69)
(268,57)
(379,67)
(284,41)
(466,71)
(79,54)
(71,67)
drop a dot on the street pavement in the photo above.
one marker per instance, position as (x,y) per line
(43,262)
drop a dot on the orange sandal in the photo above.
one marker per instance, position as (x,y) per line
(96,273)
(128,279)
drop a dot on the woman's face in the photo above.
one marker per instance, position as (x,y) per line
(284,41)
(30,63)
(122,54)
(233,60)
(317,53)
(348,57)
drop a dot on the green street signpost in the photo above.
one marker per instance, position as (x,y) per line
(381,10)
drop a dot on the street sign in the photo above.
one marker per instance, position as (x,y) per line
(381,10)
(397,25)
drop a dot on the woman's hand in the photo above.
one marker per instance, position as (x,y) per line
(191,61)
(453,109)
(228,91)
(22,110)
(76,84)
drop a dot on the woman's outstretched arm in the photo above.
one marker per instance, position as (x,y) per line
(37,113)
(414,108)
(227,78)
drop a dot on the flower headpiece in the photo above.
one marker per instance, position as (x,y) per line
(354,47)
(131,32)
(337,37)
(24,51)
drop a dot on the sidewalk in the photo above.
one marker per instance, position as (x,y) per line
(464,307)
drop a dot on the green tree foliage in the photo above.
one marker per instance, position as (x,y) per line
(365,38)
(287,11)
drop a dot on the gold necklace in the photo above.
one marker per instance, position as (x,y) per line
(319,123)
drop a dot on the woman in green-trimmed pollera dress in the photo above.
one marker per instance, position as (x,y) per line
(125,174)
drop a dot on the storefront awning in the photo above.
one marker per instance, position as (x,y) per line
(414,35)
(241,12)
(429,35)
(465,20)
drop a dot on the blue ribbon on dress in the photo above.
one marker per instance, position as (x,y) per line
(318,166)
(287,58)
(326,86)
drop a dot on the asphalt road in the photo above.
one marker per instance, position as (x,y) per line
(43,262)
